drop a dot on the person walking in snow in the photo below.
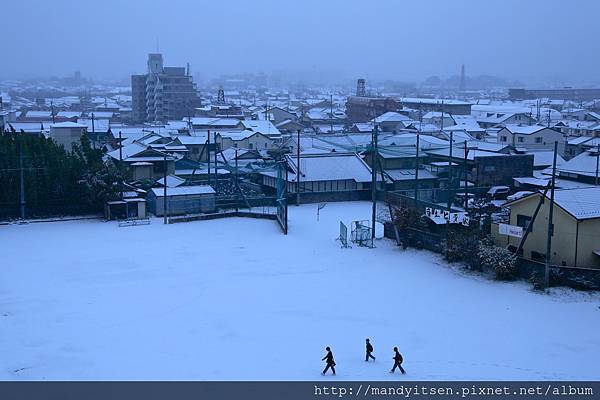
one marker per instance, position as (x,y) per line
(369,351)
(329,360)
(397,362)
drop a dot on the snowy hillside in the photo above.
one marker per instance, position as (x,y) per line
(236,299)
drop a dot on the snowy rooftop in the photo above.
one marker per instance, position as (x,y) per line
(331,167)
(524,129)
(581,203)
(67,124)
(183,190)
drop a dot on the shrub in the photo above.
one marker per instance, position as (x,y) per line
(502,261)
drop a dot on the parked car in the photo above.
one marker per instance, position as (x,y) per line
(499,192)
(518,195)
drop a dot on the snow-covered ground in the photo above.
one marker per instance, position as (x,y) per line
(236,299)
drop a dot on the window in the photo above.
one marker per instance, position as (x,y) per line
(523,221)
(538,140)
(489,168)
(503,138)
(520,139)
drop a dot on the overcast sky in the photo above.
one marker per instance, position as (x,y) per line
(555,41)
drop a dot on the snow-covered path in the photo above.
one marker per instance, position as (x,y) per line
(236,299)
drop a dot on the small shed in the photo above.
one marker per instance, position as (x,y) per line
(134,208)
(182,200)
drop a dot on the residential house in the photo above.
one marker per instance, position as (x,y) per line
(576,227)
(532,137)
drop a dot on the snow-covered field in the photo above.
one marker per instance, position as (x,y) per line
(236,299)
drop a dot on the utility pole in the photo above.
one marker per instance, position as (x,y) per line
(417,155)
(22,179)
(450,170)
(597,162)
(165,190)
(298,170)
(550,224)
(331,111)
(417,171)
(93,131)
(466,179)
(216,169)
(442,122)
(121,162)
(208,155)
(375,159)
(449,187)
(236,180)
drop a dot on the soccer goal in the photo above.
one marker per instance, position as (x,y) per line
(360,233)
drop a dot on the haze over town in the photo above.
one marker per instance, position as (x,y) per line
(548,43)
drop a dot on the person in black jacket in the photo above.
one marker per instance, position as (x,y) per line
(397,361)
(369,351)
(330,362)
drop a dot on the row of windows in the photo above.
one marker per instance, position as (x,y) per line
(521,139)
(316,186)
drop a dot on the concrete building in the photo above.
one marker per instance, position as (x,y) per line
(67,134)
(164,93)
(363,109)
(576,220)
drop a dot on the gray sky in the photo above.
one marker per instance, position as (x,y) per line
(545,40)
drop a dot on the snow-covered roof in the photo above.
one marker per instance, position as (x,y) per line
(432,101)
(38,114)
(172,181)
(331,167)
(68,124)
(408,174)
(183,190)
(581,203)
(524,129)
(69,114)
(583,164)
(579,140)
(127,151)
(391,116)
(265,127)
(217,122)
(101,114)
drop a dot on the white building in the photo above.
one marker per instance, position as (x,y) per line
(67,133)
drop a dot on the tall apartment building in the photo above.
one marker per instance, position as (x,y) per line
(164,93)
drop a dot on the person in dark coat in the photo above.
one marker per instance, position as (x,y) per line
(397,361)
(369,351)
(330,362)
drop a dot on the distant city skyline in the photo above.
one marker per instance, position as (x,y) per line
(334,40)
